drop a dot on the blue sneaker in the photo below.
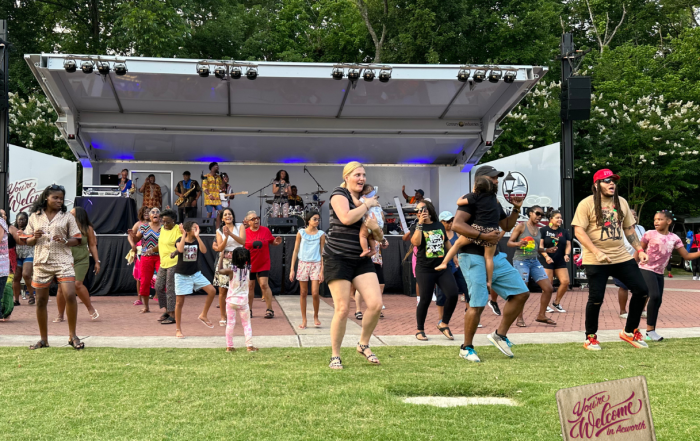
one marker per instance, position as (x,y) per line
(503,344)
(469,354)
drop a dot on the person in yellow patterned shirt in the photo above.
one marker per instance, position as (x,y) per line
(212,186)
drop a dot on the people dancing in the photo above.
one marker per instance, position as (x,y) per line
(343,268)
(258,240)
(143,219)
(555,236)
(282,191)
(230,236)
(25,261)
(307,249)
(165,281)
(599,223)
(148,234)
(237,297)
(81,264)
(52,231)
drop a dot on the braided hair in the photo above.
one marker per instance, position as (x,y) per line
(597,200)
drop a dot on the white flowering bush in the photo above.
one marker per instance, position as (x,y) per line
(32,125)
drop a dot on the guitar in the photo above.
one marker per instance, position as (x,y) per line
(226,196)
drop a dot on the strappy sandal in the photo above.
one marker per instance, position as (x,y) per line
(372,358)
(32,300)
(421,333)
(547,321)
(336,363)
(78,346)
(38,345)
(269,314)
(95,315)
(222,322)
(520,324)
(163,317)
(358,315)
(58,320)
(446,332)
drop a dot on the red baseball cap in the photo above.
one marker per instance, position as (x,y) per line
(604,174)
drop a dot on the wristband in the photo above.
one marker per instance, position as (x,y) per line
(419,226)
(477,237)
(641,250)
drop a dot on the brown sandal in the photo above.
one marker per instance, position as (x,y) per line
(422,334)
(446,332)
(547,321)
(38,345)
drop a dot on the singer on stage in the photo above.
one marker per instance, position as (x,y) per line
(282,191)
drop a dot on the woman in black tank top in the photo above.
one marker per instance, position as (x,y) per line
(343,267)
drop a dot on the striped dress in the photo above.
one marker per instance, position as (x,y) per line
(343,240)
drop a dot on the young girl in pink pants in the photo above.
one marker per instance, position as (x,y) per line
(237,297)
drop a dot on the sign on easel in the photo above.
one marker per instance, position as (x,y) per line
(614,410)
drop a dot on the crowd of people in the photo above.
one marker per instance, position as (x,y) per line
(452,255)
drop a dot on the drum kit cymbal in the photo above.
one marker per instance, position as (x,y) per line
(315,198)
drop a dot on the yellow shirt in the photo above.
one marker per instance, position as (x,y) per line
(608,238)
(213,186)
(166,245)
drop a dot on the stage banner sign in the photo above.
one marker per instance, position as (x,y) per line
(614,410)
(30,172)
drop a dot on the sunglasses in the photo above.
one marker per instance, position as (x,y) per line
(608,181)
(58,187)
(422,209)
(253,219)
(538,213)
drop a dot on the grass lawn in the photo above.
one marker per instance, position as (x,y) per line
(290,394)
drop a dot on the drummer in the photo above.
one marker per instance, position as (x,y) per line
(296,203)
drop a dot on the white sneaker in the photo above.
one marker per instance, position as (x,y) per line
(469,354)
(480,326)
(558,308)
(695,277)
(549,309)
(624,316)
(417,300)
(503,344)
(644,314)
(383,307)
(434,298)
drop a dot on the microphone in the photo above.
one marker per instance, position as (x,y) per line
(304,169)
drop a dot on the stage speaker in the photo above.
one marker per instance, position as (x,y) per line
(409,282)
(292,221)
(206,225)
(109,179)
(576,99)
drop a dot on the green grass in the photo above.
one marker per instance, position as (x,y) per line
(290,394)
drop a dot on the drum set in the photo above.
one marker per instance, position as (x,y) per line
(293,215)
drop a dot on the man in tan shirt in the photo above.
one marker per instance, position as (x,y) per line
(599,224)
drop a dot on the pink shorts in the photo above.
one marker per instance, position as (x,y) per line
(413,261)
(308,270)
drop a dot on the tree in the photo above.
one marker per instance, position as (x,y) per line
(32,126)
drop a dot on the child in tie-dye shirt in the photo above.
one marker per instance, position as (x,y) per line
(237,297)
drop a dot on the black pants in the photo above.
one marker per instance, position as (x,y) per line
(426,284)
(655,283)
(695,263)
(630,275)
(186,212)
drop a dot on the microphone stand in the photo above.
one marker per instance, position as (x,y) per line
(260,191)
(319,189)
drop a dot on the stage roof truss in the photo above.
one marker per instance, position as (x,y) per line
(291,113)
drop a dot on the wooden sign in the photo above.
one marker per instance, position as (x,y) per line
(614,410)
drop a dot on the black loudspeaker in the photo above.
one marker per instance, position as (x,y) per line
(206,225)
(409,282)
(109,179)
(576,99)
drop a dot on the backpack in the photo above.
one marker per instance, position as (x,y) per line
(7,301)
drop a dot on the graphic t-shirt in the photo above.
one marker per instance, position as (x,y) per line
(187,260)
(431,250)
(166,246)
(659,249)
(529,251)
(608,237)
(258,243)
(555,238)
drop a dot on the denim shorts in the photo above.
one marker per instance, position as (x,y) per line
(619,284)
(185,285)
(21,262)
(530,268)
(211,208)
(506,280)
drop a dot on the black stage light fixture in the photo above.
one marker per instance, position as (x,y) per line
(251,73)
(220,72)
(69,66)
(463,75)
(509,76)
(87,67)
(368,75)
(236,73)
(384,76)
(120,69)
(479,75)
(495,75)
(337,74)
(203,70)
(103,68)
(353,75)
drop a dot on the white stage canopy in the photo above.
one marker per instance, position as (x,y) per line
(162,110)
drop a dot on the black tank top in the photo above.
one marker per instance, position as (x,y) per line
(342,240)
(11,243)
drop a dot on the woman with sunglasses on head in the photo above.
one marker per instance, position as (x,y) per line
(148,234)
(25,261)
(526,238)
(81,264)
(52,231)
(258,240)
(343,268)
(230,236)
(554,236)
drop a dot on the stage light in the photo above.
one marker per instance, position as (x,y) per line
(69,66)
(220,72)
(384,76)
(120,69)
(251,73)
(463,75)
(203,70)
(368,75)
(87,67)
(509,77)
(103,68)
(479,75)
(236,73)
(353,75)
(337,74)
(495,75)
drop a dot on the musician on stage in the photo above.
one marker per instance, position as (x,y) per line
(282,191)
(294,199)
(227,190)
(152,196)
(212,187)
(188,192)
(126,186)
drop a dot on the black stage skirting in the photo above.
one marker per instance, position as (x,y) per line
(116,277)
(109,215)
